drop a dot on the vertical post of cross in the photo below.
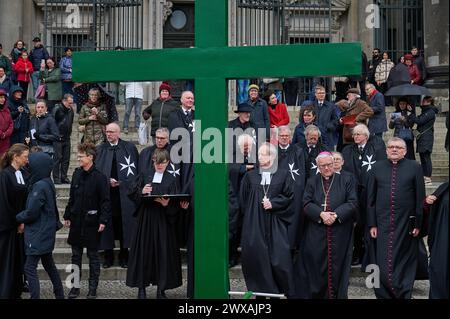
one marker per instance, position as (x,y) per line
(211,186)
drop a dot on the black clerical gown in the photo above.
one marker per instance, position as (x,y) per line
(438,245)
(323,267)
(292,159)
(266,256)
(360,163)
(395,193)
(154,255)
(125,157)
(310,154)
(12,201)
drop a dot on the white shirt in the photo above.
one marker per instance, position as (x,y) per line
(157,178)
(134,89)
(285,147)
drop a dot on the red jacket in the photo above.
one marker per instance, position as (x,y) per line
(279,115)
(414,74)
(6,128)
(20,68)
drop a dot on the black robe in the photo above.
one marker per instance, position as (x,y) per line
(293,161)
(438,244)
(310,159)
(323,267)
(154,255)
(360,165)
(395,193)
(266,256)
(12,198)
(126,161)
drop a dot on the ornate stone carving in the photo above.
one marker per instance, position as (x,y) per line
(167,10)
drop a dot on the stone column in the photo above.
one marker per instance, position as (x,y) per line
(436,17)
(11,21)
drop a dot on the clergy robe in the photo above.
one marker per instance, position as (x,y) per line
(154,255)
(323,267)
(395,193)
(310,159)
(145,158)
(360,164)
(266,256)
(119,162)
(12,198)
(438,244)
(292,159)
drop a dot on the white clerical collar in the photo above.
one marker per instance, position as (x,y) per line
(284,147)
(265,178)
(19,178)
(117,143)
(157,178)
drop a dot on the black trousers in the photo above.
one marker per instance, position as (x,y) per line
(427,165)
(33,279)
(94,264)
(61,159)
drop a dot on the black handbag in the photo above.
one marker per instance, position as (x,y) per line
(405,134)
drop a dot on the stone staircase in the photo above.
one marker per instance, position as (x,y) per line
(62,253)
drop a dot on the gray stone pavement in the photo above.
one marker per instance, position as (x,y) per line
(118,290)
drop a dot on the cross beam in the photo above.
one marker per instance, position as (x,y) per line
(211,63)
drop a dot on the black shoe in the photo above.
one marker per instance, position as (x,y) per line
(92,294)
(65,180)
(142,294)
(233,262)
(56,181)
(73,293)
(123,263)
(108,264)
(160,294)
(356,261)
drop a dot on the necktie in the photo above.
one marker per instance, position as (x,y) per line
(361,150)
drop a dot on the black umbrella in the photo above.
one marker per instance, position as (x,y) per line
(82,96)
(407,89)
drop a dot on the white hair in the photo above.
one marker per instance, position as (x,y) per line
(312,128)
(361,128)
(284,128)
(243,138)
(324,155)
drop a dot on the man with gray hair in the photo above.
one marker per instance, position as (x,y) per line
(313,148)
(330,206)
(395,194)
(265,199)
(292,159)
(359,158)
(377,123)
(146,155)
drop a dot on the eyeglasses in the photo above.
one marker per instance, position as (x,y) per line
(326,165)
(391,147)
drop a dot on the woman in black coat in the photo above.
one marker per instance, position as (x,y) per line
(425,139)
(154,254)
(87,214)
(402,120)
(13,194)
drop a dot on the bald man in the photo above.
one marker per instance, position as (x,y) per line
(118,160)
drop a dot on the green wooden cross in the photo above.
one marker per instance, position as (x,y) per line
(211,63)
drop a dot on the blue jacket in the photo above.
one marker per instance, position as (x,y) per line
(65,66)
(260,116)
(300,139)
(377,123)
(36,56)
(326,118)
(40,215)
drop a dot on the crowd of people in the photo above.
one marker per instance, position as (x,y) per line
(304,205)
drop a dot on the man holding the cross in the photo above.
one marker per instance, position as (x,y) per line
(330,205)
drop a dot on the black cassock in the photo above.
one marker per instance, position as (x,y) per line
(438,244)
(12,198)
(125,157)
(395,193)
(266,256)
(360,163)
(154,255)
(310,158)
(323,267)
(292,159)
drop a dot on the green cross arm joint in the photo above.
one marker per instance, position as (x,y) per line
(226,62)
